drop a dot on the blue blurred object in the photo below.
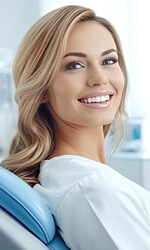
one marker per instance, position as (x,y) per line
(137,133)
(25,215)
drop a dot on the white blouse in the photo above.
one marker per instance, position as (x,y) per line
(95,207)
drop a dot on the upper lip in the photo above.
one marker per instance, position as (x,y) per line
(95,94)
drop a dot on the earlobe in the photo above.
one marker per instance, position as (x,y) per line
(45,99)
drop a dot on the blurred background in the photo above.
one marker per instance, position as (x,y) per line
(131,19)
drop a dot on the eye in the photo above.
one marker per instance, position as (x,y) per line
(73,66)
(109,61)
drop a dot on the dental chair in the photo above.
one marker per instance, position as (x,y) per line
(26,223)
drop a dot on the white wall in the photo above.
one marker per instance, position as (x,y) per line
(143,56)
(16,16)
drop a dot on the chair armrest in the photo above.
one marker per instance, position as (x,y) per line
(14,236)
(20,200)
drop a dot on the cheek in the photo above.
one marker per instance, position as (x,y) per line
(52,99)
(119,81)
(58,98)
(66,89)
(122,83)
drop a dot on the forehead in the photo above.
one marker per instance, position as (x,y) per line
(90,35)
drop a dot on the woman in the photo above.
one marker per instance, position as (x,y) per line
(71,83)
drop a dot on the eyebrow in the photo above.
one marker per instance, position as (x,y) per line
(84,55)
(75,54)
(108,52)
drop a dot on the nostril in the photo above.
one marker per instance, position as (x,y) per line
(93,82)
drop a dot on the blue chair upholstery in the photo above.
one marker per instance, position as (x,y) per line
(21,202)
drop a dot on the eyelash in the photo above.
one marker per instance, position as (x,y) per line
(68,66)
(114,60)
(105,62)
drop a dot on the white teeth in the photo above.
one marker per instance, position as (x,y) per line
(107,97)
(93,99)
(103,98)
(89,100)
(96,99)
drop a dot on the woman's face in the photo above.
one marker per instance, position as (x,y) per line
(89,85)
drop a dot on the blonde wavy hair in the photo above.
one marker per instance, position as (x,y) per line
(35,68)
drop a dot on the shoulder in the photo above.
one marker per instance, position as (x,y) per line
(71,167)
(83,192)
(68,170)
(66,173)
(60,175)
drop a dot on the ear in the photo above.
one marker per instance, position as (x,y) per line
(45,99)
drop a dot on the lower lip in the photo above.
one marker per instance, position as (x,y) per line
(100,105)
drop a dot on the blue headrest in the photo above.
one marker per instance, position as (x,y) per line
(20,200)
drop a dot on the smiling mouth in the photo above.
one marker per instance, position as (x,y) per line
(97,99)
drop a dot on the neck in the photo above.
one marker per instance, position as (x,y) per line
(87,142)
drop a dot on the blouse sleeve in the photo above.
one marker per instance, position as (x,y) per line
(105,212)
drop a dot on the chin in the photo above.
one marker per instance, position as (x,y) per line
(108,120)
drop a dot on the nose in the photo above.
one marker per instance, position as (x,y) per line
(97,77)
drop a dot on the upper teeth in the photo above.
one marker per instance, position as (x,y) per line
(96,99)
